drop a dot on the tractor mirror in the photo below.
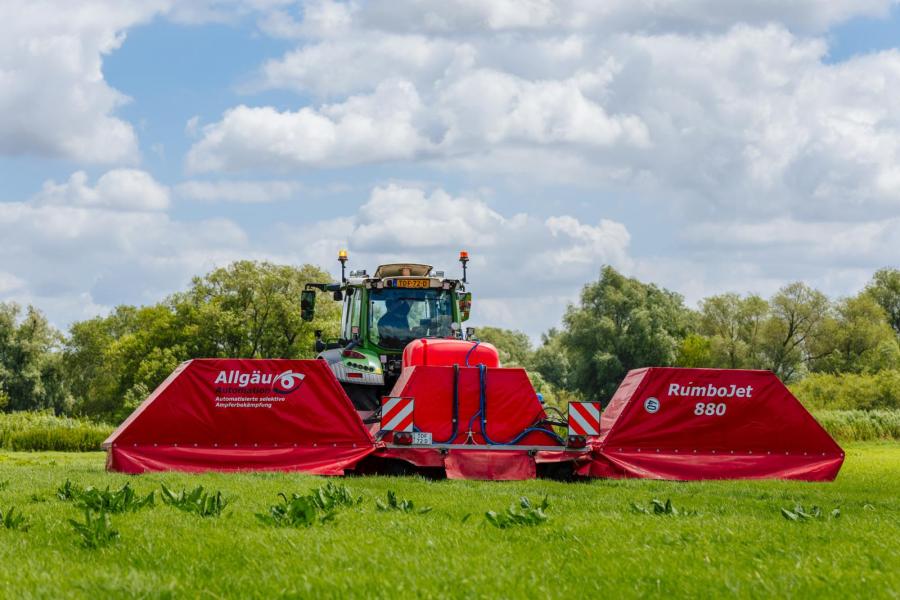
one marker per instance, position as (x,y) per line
(337,296)
(307,305)
(465,306)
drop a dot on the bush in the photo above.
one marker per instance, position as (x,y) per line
(45,431)
(850,391)
(860,425)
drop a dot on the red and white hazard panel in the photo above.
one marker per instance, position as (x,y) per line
(396,414)
(584,418)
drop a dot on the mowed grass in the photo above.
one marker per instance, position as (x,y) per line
(594,544)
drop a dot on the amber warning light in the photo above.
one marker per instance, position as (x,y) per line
(464,259)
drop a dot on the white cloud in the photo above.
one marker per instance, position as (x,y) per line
(466,16)
(9,283)
(832,243)
(371,128)
(242,192)
(518,261)
(119,189)
(54,100)
(481,109)
(75,249)
(356,63)
(747,120)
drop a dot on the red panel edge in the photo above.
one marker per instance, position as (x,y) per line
(321,460)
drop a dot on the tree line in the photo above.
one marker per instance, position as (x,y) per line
(620,323)
(104,367)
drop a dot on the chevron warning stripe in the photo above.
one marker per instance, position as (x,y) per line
(584,418)
(397,414)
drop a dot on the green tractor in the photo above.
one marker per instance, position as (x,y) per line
(382,313)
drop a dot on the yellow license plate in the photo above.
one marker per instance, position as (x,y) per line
(413,283)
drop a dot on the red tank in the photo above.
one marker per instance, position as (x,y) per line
(448,352)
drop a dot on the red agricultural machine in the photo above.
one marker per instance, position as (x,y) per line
(405,389)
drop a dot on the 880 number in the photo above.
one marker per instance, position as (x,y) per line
(709,409)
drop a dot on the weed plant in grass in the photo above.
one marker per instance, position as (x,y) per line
(658,507)
(319,506)
(198,501)
(594,544)
(523,514)
(11,519)
(392,503)
(117,501)
(96,530)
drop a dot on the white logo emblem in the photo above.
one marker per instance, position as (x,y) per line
(651,405)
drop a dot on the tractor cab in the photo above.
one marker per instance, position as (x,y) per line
(383,313)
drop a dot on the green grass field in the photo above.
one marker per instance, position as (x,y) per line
(736,543)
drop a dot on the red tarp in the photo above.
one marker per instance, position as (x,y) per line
(512,404)
(231,414)
(686,424)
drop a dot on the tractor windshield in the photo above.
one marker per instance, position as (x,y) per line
(399,316)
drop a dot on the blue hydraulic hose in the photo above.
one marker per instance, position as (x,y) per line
(469,353)
(482,411)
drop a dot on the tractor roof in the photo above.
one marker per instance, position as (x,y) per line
(403,270)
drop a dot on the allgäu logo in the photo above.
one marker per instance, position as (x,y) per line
(287,382)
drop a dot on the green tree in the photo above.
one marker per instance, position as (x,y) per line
(733,324)
(550,360)
(251,310)
(885,290)
(793,334)
(246,310)
(621,324)
(31,376)
(857,339)
(513,346)
(695,350)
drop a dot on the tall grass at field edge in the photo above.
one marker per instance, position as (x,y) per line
(42,431)
(46,431)
(860,425)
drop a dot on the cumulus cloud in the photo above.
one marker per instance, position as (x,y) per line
(477,111)
(119,189)
(75,249)
(518,262)
(711,113)
(54,100)
(369,128)
(723,117)
(456,16)
(242,192)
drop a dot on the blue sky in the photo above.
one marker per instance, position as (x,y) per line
(701,145)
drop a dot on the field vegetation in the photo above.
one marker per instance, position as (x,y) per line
(836,354)
(267,535)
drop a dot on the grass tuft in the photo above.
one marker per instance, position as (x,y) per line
(523,514)
(96,531)
(319,506)
(197,501)
(658,507)
(13,520)
(112,501)
(393,504)
(799,513)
